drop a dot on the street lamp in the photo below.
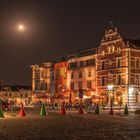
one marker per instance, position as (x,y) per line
(102,100)
(110,88)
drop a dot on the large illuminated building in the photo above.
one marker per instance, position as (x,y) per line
(82,73)
(43,81)
(105,73)
(118,70)
(60,82)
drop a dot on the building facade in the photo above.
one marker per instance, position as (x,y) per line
(16,94)
(109,72)
(82,73)
(117,70)
(43,81)
(61,81)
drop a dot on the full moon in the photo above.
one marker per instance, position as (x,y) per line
(21,27)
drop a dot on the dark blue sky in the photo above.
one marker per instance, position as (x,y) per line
(56,28)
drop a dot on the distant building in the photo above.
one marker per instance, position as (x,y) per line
(43,81)
(16,94)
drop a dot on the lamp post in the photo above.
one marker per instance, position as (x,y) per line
(110,88)
(102,100)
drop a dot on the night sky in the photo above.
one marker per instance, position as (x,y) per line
(57,28)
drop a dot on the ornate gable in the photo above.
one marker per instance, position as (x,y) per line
(111,41)
(110,35)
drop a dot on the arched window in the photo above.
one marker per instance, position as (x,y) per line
(109,49)
(113,48)
(118,50)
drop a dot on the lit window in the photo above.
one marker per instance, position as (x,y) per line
(103,53)
(118,50)
(109,49)
(113,48)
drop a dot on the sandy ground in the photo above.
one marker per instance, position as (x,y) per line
(70,127)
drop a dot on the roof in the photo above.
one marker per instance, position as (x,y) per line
(133,43)
(15,88)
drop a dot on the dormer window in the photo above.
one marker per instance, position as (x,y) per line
(111,49)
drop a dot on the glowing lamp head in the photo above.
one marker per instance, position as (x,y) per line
(110,87)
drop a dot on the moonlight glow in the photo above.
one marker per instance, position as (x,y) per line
(21,27)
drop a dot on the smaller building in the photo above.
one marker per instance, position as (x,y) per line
(16,94)
(43,82)
(61,82)
(82,73)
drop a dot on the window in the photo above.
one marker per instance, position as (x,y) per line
(113,48)
(137,63)
(118,50)
(80,74)
(137,97)
(42,74)
(103,53)
(89,73)
(118,63)
(103,81)
(80,85)
(73,65)
(89,84)
(91,62)
(72,75)
(137,80)
(81,63)
(109,49)
(103,65)
(118,79)
(72,86)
